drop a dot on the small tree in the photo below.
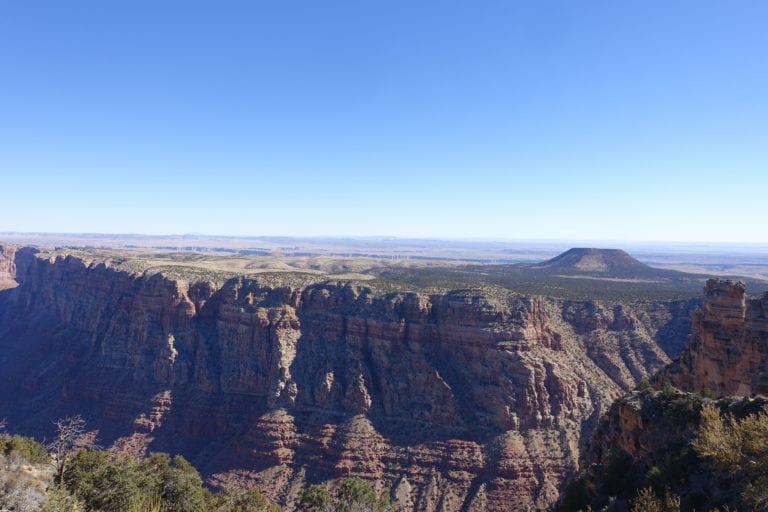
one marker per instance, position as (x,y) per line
(61,500)
(353,495)
(71,437)
(104,481)
(183,489)
(737,450)
(315,498)
(28,448)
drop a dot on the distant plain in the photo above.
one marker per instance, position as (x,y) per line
(421,264)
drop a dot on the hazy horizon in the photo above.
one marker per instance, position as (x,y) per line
(574,242)
(614,122)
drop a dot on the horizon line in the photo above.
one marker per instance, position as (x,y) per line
(461,239)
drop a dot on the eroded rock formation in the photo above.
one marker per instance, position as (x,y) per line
(727,353)
(645,439)
(449,400)
(7,267)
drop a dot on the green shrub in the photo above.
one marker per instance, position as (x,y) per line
(110,482)
(643,385)
(28,448)
(315,498)
(114,483)
(678,408)
(182,487)
(61,500)
(106,482)
(737,450)
(353,495)
(242,500)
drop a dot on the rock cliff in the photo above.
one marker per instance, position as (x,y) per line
(452,401)
(7,267)
(727,353)
(645,439)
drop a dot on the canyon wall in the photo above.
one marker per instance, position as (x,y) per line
(450,401)
(645,439)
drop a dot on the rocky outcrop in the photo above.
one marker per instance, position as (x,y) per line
(449,400)
(7,267)
(727,353)
(645,439)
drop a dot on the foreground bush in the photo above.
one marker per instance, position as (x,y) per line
(737,452)
(81,478)
(353,495)
(115,483)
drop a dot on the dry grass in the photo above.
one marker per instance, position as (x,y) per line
(22,485)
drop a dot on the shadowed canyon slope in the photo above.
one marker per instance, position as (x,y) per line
(450,399)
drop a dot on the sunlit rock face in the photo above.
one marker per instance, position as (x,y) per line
(448,400)
(728,350)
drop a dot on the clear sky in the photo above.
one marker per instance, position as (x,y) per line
(617,120)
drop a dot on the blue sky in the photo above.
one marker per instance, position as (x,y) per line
(610,120)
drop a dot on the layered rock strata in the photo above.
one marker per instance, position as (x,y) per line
(450,401)
(7,267)
(727,353)
(645,438)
